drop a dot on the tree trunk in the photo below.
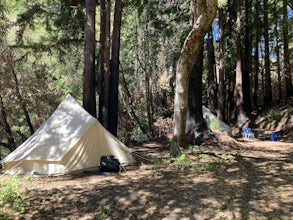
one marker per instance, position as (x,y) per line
(148,81)
(238,92)
(89,78)
(189,52)
(211,76)
(104,62)
(268,84)
(114,77)
(101,80)
(221,88)
(276,30)
(256,56)
(10,140)
(195,122)
(287,65)
(247,59)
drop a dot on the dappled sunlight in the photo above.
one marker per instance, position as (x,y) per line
(244,183)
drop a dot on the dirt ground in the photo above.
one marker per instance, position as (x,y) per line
(225,178)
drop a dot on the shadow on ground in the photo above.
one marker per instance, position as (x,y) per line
(247,187)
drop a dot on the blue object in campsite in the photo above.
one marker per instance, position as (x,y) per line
(274,136)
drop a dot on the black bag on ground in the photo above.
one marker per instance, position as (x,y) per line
(109,164)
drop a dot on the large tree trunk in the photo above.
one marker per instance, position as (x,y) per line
(114,77)
(287,65)
(247,59)
(221,88)
(238,90)
(89,78)
(211,76)
(268,84)
(195,122)
(206,11)
(276,30)
(104,63)
(256,56)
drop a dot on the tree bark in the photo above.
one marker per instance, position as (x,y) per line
(206,11)
(89,75)
(287,64)
(256,56)
(238,92)
(268,84)
(211,76)
(276,30)
(104,62)
(246,74)
(195,122)
(114,76)
(221,88)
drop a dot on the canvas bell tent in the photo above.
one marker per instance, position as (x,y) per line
(70,141)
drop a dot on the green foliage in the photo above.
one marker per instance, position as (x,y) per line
(215,123)
(182,162)
(210,165)
(103,212)
(222,3)
(4,215)
(230,206)
(9,193)
(193,147)
(273,114)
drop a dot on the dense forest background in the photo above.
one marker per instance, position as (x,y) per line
(42,60)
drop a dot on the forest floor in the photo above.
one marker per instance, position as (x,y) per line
(224,178)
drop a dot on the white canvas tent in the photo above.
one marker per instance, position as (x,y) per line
(70,141)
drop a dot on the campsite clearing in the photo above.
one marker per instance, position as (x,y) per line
(223,179)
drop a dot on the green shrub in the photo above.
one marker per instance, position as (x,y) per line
(9,193)
(4,216)
(273,113)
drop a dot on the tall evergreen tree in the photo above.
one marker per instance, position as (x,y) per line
(104,61)
(114,76)
(238,92)
(268,81)
(221,87)
(287,64)
(256,55)
(89,79)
